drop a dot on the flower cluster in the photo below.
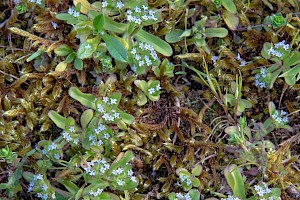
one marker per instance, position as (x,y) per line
(141,15)
(108,113)
(96,168)
(152,90)
(51,150)
(73,12)
(99,135)
(143,55)
(185,179)
(260,78)
(243,62)
(231,198)
(70,135)
(280,117)
(123,175)
(278,49)
(39,2)
(263,191)
(180,196)
(41,187)
(118,4)
(96,193)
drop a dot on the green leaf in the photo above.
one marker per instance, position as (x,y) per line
(115,48)
(78,64)
(70,57)
(111,25)
(194,194)
(64,16)
(61,66)
(59,120)
(63,50)
(127,118)
(174,36)
(272,108)
(86,117)
(197,170)
(265,49)
(85,99)
(158,44)
(231,20)
(229,5)
(121,160)
(216,32)
(235,181)
(34,55)
(70,186)
(292,59)
(87,48)
(99,23)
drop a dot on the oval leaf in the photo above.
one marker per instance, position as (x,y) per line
(158,44)
(174,36)
(85,99)
(229,5)
(216,32)
(231,20)
(115,48)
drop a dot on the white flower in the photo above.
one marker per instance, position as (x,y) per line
(54,25)
(75,14)
(104,4)
(130,172)
(238,57)
(148,61)
(38,177)
(44,187)
(120,182)
(70,11)
(188,182)
(39,195)
(214,58)
(151,90)
(133,51)
(179,195)
(75,141)
(119,5)
(187,197)
(141,63)
(133,179)
(243,63)
(105,99)
(137,9)
(106,136)
(72,129)
(145,7)
(53,146)
(100,108)
(137,57)
(158,87)
(117,171)
(116,115)
(113,101)
(99,143)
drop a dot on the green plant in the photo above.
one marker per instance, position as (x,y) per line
(199,33)
(286,64)
(150,89)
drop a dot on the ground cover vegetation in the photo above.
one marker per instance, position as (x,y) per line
(157,99)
